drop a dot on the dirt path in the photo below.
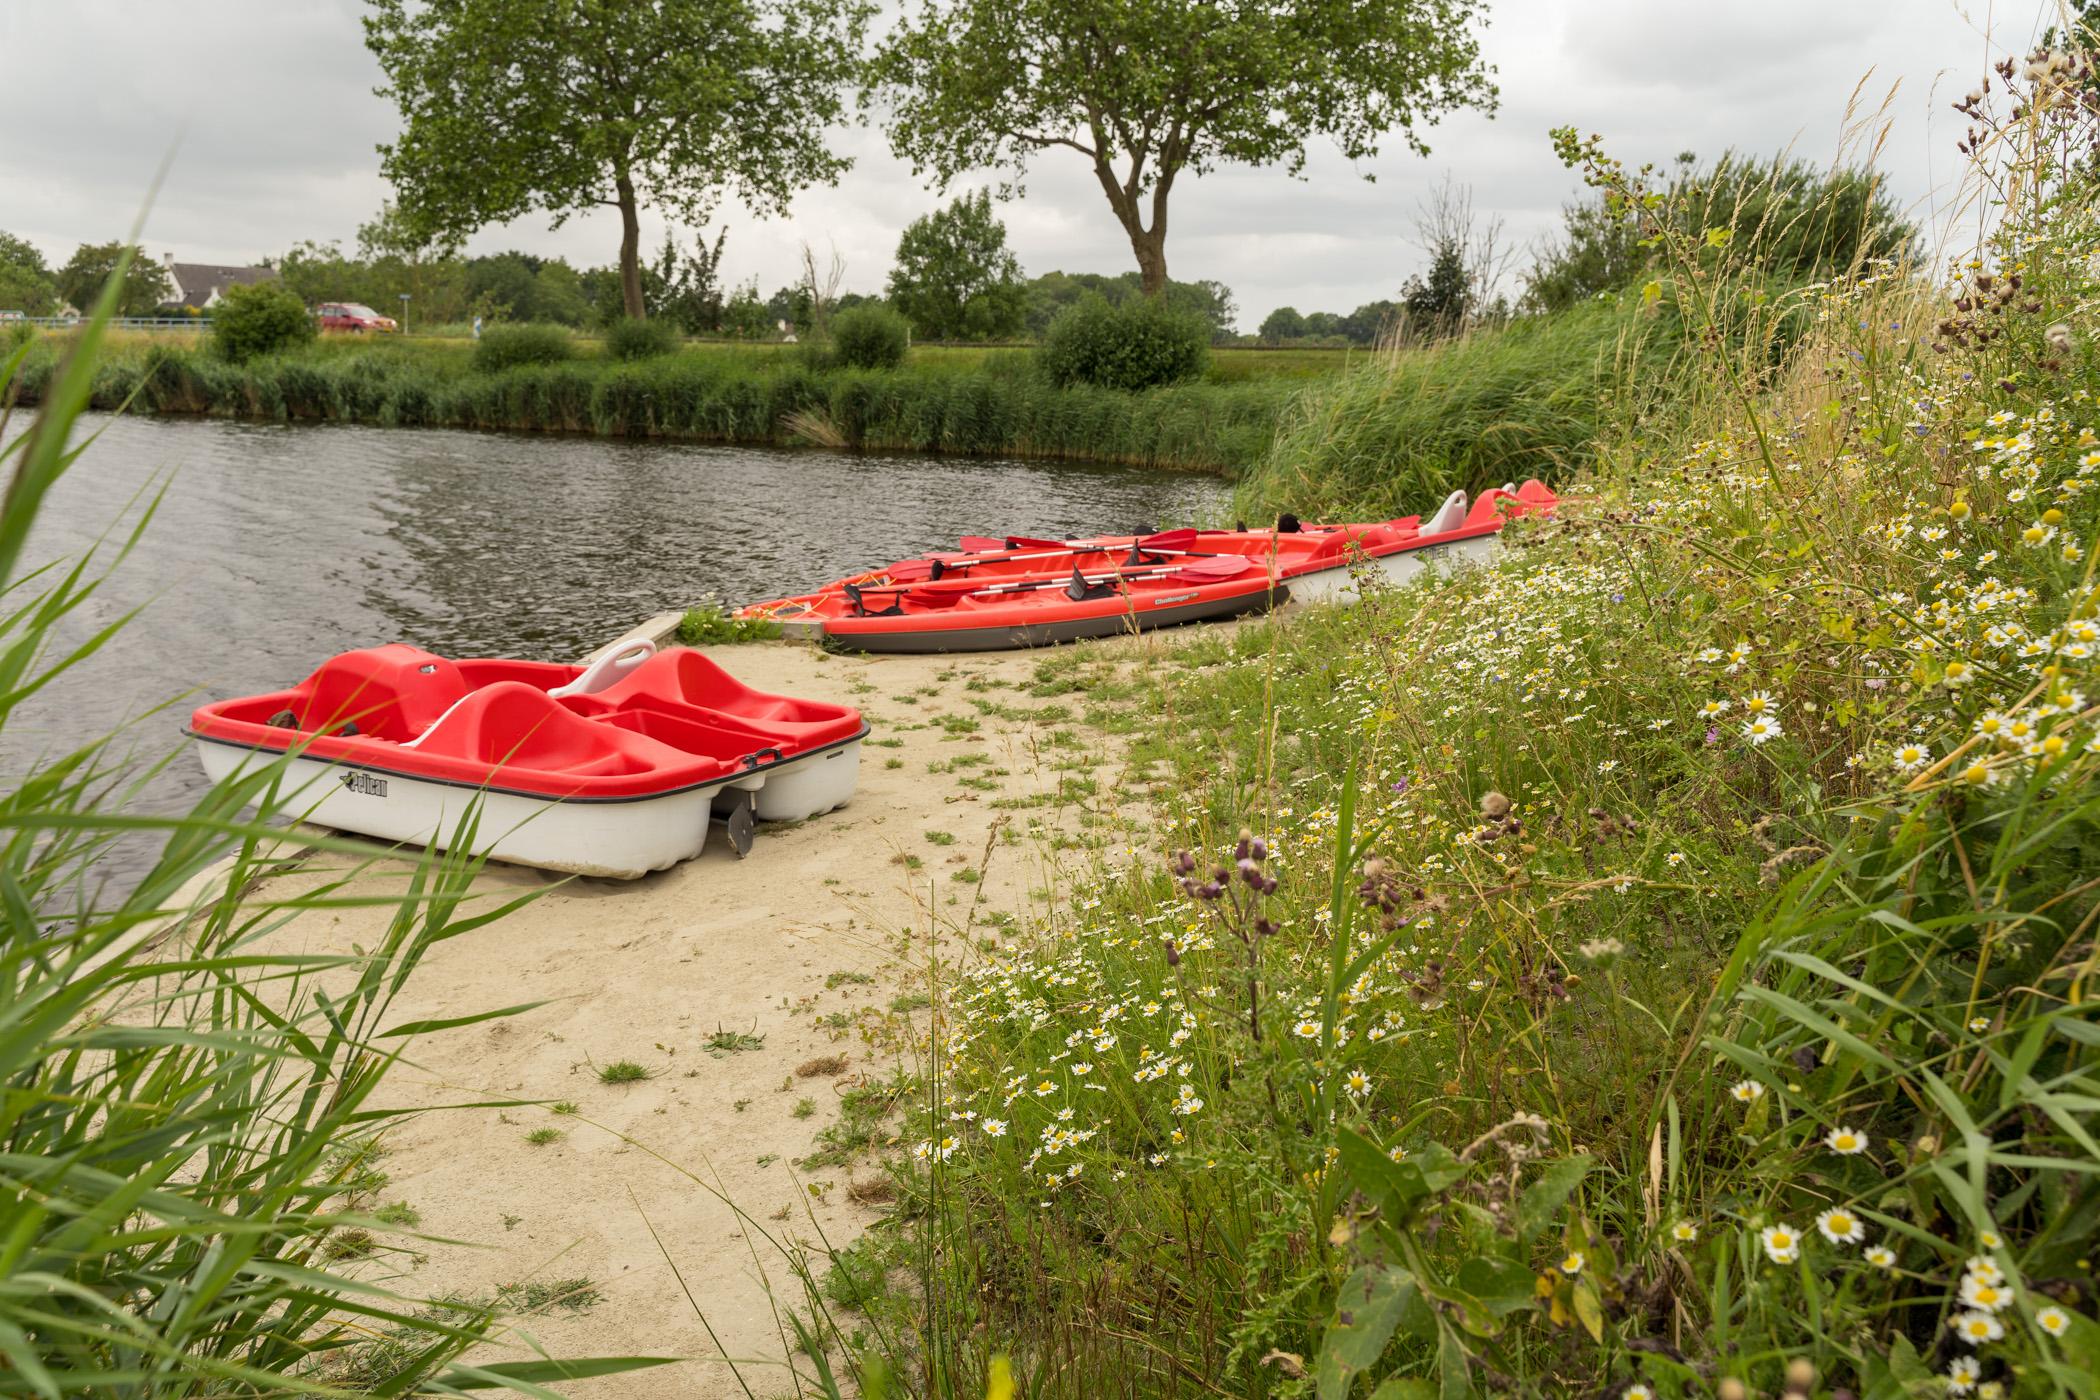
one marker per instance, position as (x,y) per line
(787,961)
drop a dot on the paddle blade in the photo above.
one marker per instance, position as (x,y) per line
(1168,539)
(1212,568)
(979,544)
(910,570)
(1030,542)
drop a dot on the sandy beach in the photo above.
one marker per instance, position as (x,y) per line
(803,962)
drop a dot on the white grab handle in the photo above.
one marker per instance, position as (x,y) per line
(608,669)
(1449,516)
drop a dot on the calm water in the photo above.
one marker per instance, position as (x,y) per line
(277,546)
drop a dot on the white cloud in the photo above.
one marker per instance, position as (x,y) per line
(269,110)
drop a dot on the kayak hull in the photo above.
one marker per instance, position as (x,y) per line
(1344,584)
(911,605)
(904,636)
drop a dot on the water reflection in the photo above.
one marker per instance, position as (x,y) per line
(275,546)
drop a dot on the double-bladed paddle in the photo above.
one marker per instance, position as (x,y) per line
(1016,549)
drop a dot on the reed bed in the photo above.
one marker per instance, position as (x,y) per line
(984,404)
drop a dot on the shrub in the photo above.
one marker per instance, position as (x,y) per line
(259,320)
(1140,343)
(870,337)
(632,339)
(501,347)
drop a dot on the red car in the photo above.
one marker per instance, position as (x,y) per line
(353,316)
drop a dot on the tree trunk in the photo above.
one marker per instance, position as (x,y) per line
(630,250)
(1150,245)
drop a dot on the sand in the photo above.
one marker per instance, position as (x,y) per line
(646,971)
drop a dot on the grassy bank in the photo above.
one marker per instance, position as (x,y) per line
(1660,964)
(943,399)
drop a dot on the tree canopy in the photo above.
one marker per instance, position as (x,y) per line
(1146,89)
(146,286)
(955,278)
(567,105)
(1052,293)
(26,284)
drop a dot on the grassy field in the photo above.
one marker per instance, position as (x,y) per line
(1661,964)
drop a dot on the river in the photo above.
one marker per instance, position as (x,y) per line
(275,546)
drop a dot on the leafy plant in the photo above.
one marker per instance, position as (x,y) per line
(631,339)
(1141,343)
(955,278)
(870,337)
(262,319)
(711,626)
(504,347)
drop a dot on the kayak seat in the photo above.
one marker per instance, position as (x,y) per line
(512,725)
(679,677)
(391,692)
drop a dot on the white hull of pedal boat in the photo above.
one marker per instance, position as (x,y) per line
(621,840)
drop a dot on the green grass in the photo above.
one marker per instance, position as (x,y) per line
(1399,430)
(623,1072)
(710,626)
(1573,984)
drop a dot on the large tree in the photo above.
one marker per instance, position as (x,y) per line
(567,105)
(26,284)
(146,286)
(1147,89)
(955,278)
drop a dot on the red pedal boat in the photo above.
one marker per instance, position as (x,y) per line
(1017,591)
(615,769)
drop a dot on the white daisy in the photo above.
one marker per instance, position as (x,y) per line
(1841,1226)
(1781,1243)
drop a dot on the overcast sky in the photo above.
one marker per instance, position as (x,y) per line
(268,109)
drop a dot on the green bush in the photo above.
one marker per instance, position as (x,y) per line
(870,337)
(260,320)
(1140,343)
(631,339)
(532,343)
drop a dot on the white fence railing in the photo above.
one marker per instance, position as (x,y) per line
(133,323)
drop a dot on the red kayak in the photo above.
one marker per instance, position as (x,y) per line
(613,769)
(962,614)
(937,594)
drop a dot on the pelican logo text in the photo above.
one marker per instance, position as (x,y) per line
(364,784)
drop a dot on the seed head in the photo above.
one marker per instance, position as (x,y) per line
(1493,805)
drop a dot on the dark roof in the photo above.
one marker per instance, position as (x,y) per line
(196,283)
